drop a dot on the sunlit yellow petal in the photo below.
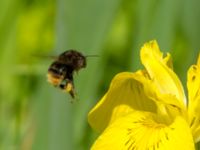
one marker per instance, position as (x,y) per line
(153,91)
(167,104)
(193,85)
(141,131)
(162,75)
(125,94)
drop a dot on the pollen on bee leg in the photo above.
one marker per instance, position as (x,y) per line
(69,87)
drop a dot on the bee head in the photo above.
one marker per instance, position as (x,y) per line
(81,62)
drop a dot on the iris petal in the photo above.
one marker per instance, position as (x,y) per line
(193,85)
(160,72)
(193,81)
(125,95)
(140,131)
(148,109)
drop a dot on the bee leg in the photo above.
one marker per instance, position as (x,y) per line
(68,86)
(70,89)
(62,85)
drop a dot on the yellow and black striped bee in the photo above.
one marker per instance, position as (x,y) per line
(60,72)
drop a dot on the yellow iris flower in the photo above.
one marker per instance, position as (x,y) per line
(148,109)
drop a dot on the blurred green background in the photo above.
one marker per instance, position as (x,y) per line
(36,116)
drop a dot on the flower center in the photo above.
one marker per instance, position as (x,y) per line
(146,134)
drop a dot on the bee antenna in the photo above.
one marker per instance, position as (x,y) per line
(92,56)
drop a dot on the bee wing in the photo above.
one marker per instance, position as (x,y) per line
(45,56)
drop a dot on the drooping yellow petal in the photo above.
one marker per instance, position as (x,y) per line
(140,131)
(160,72)
(125,95)
(193,85)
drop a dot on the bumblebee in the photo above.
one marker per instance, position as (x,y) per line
(61,71)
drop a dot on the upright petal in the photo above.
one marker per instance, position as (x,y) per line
(193,81)
(125,95)
(140,131)
(160,72)
(167,104)
(193,85)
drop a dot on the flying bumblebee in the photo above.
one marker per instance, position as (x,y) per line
(60,72)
